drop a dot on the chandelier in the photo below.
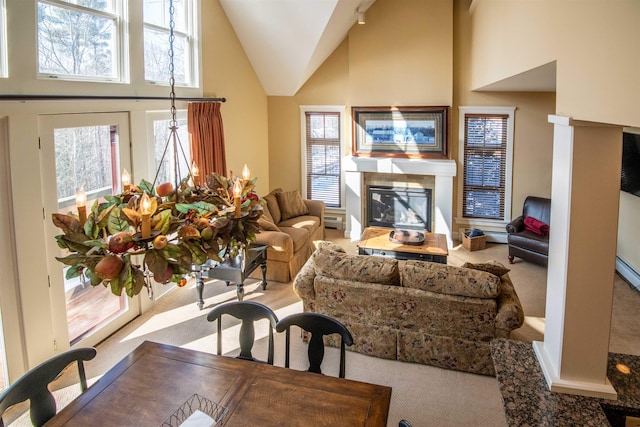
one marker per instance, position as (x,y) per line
(159,231)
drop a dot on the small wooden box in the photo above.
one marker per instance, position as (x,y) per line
(473,243)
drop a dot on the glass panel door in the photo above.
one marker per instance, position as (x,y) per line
(83,153)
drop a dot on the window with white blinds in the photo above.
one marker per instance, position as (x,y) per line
(485,153)
(322,152)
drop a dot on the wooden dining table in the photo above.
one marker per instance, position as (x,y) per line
(154,380)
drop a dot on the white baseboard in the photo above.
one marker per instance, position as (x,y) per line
(628,273)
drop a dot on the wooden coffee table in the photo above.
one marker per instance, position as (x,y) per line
(375,241)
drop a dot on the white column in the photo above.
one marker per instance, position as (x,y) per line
(582,250)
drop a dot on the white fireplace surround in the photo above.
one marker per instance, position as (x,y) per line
(442,170)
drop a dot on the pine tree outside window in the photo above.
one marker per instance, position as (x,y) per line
(81,39)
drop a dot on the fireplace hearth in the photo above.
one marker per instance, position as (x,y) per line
(398,207)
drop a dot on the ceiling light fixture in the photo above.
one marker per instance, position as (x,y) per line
(361,19)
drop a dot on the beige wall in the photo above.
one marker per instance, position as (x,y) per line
(629,230)
(228,73)
(594,43)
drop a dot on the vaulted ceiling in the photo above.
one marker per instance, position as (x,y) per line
(287,40)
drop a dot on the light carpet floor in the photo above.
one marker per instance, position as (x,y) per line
(424,395)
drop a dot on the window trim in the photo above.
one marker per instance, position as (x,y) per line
(508,185)
(340,109)
(121,46)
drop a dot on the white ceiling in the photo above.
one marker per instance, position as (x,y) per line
(287,40)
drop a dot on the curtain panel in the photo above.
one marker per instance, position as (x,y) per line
(207,137)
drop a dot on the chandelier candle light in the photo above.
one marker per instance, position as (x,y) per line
(81,202)
(126,180)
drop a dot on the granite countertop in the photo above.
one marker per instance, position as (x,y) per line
(528,401)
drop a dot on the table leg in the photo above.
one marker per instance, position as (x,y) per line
(263,267)
(199,288)
(240,291)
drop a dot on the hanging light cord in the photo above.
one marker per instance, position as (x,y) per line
(173,125)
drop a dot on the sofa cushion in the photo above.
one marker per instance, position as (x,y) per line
(492,267)
(447,279)
(300,236)
(291,204)
(327,245)
(272,205)
(310,223)
(358,268)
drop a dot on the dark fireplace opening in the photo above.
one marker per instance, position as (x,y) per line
(398,207)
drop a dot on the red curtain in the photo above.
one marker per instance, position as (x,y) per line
(207,138)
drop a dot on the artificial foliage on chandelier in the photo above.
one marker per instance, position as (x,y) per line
(187,226)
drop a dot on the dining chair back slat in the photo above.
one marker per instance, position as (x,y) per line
(318,325)
(248,312)
(33,385)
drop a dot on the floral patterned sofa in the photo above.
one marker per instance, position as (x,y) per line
(414,311)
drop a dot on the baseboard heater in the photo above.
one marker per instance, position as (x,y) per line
(333,222)
(628,273)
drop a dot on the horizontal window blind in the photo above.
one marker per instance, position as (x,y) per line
(485,151)
(323,157)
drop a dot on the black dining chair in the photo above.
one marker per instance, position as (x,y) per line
(33,385)
(249,312)
(318,325)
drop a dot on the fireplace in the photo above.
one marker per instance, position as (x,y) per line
(437,175)
(398,207)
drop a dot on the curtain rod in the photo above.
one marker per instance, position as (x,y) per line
(100,97)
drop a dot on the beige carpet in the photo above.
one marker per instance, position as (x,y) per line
(424,395)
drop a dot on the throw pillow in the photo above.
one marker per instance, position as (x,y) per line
(291,204)
(490,267)
(359,268)
(272,205)
(267,225)
(327,245)
(536,226)
(447,279)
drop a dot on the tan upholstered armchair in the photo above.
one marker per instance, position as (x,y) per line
(289,225)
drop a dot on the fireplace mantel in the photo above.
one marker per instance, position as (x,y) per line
(442,170)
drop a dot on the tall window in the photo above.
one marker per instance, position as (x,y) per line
(81,39)
(159,129)
(486,146)
(156,41)
(322,150)
(3,40)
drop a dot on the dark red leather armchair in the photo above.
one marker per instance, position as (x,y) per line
(526,244)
